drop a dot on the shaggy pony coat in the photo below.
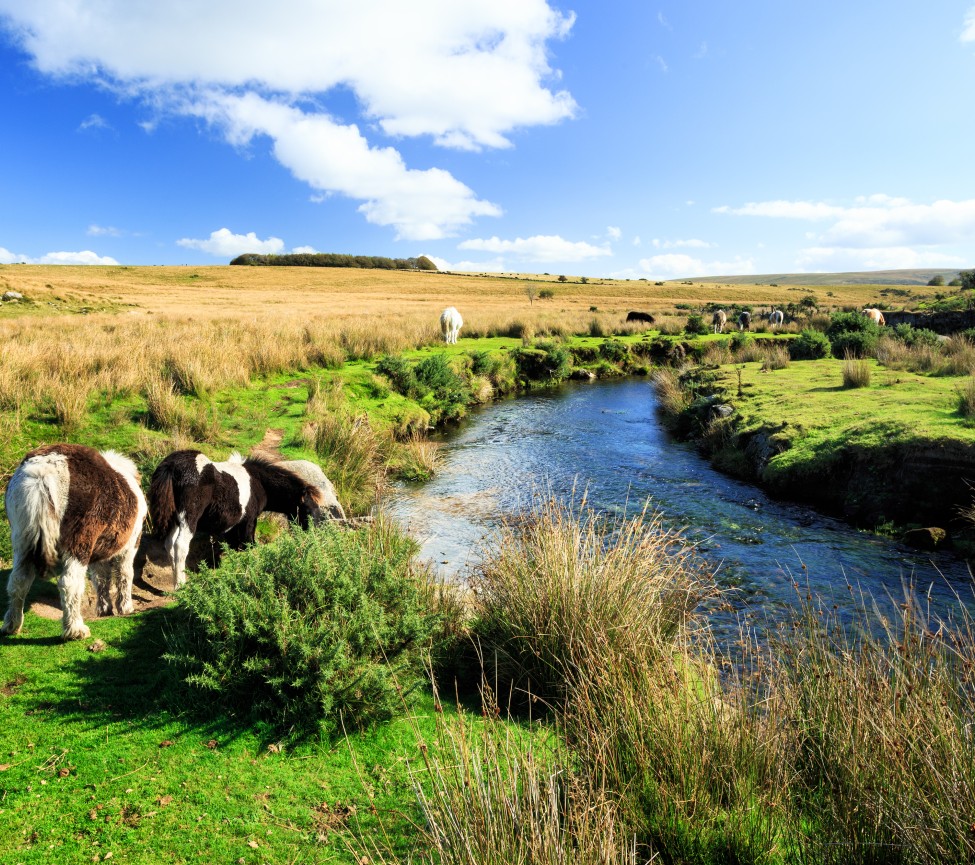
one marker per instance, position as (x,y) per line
(450,324)
(74,512)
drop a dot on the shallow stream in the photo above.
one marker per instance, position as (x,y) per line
(606,437)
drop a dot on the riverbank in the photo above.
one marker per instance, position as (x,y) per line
(895,455)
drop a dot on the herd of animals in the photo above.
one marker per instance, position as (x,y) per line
(76,512)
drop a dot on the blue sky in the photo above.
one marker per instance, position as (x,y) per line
(626,139)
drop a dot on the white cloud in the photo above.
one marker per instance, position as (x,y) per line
(968,33)
(661,63)
(877,220)
(93,121)
(613,232)
(540,248)
(692,243)
(103,231)
(84,257)
(496,265)
(305,250)
(8,257)
(673,265)
(226,244)
(465,74)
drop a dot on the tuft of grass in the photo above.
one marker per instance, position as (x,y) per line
(966,399)
(417,458)
(856,371)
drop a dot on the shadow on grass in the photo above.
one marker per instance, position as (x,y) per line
(128,680)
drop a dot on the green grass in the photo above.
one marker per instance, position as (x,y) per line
(98,757)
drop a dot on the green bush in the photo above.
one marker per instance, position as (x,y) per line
(696,325)
(912,336)
(614,351)
(544,361)
(483,363)
(399,372)
(809,345)
(740,339)
(315,631)
(855,343)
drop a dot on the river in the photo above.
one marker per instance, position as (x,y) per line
(606,437)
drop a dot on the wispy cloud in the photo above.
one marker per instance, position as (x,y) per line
(968,29)
(540,248)
(224,243)
(875,221)
(661,63)
(673,265)
(93,121)
(613,232)
(103,231)
(692,243)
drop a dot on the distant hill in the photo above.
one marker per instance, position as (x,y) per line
(872,277)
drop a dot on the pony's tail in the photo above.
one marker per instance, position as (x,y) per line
(32,499)
(162,501)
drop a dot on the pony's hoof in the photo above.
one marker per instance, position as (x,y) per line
(76,633)
(9,630)
(126,608)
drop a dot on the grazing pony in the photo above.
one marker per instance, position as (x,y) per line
(190,493)
(718,321)
(744,320)
(875,315)
(636,315)
(450,324)
(775,318)
(74,511)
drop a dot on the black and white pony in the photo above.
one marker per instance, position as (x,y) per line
(775,318)
(74,511)
(190,493)
(450,324)
(744,320)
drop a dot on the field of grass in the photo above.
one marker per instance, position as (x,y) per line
(103,757)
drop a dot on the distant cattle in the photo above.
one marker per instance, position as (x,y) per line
(450,324)
(719,320)
(775,318)
(875,315)
(636,315)
(744,320)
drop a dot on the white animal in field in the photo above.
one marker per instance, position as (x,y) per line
(775,318)
(450,324)
(74,512)
(719,320)
(875,315)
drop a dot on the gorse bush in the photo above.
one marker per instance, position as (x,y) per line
(913,336)
(853,333)
(315,631)
(809,345)
(543,361)
(614,351)
(696,325)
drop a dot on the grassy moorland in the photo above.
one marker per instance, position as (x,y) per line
(186,734)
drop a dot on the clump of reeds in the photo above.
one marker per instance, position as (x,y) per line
(959,357)
(775,357)
(966,399)
(672,396)
(856,371)
(716,354)
(417,458)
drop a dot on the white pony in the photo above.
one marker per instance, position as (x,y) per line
(775,318)
(450,324)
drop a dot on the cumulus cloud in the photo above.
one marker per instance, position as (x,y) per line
(84,257)
(540,248)
(824,258)
(968,31)
(672,265)
(305,250)
(224,243)
(465,74)
(8,257)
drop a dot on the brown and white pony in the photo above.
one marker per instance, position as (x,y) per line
(719,320)
(875,315)
(450,324)
(74,511)
(190,493)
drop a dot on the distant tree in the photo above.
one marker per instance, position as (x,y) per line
(584,279)
(563,278)
(531,292)
(955,282)
(424,263)
(967,278)
(936,280)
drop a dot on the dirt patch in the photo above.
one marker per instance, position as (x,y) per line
(153,584)
(269,446)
